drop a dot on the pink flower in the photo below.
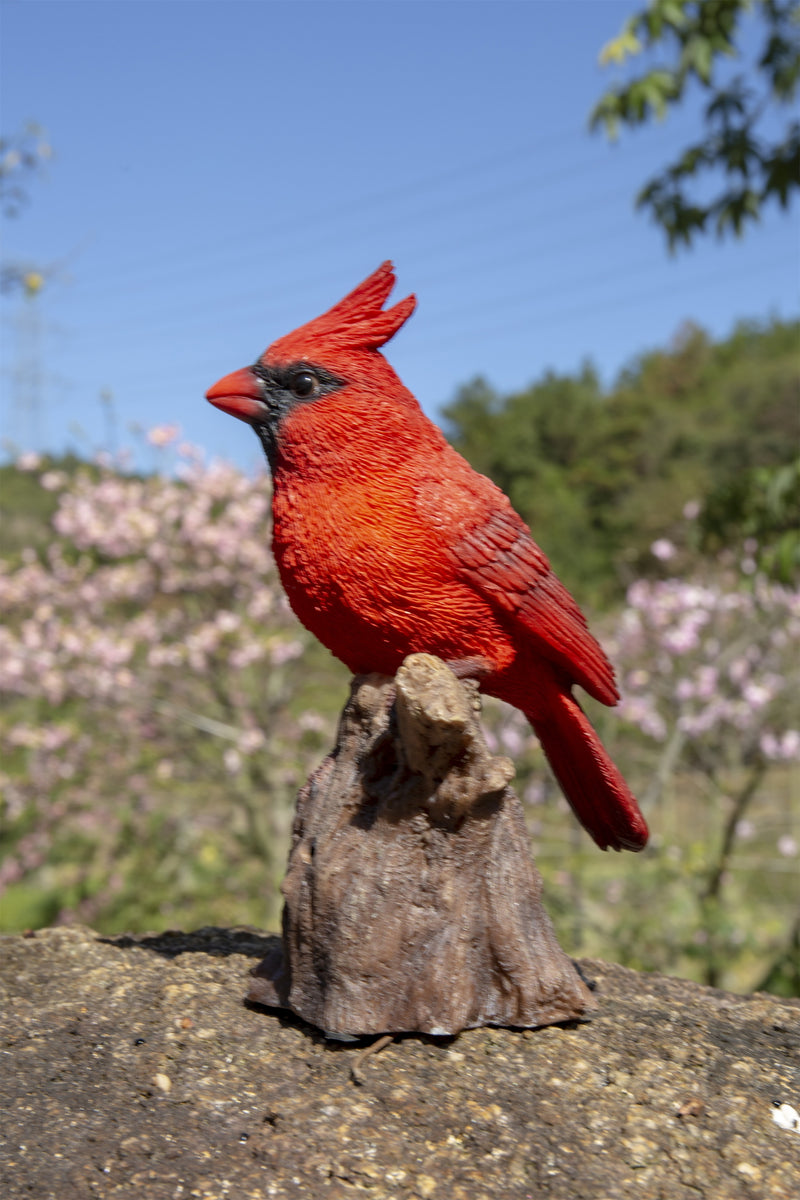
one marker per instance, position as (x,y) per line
(233,761)
(663,549)
(29,461)
(163,435)
(511,739)
(251,741)
(51,481)
(281,652)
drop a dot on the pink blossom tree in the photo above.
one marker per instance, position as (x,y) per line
(154,723)
(710,667)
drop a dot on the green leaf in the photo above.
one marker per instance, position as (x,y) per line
(696,56)
(694,34)
(619,48)
(673,13)
(731,101)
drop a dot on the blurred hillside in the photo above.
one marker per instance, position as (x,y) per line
(599,475)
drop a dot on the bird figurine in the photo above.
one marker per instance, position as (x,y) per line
(389,543)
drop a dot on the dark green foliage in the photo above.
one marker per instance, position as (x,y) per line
(783,977)
(599,476)
(21,158)
(761,505)
(26,508)
(744,165)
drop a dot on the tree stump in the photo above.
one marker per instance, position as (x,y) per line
(411,899)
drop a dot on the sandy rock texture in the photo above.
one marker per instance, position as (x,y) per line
(132,1067)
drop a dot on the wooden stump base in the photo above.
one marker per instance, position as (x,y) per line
(411,899)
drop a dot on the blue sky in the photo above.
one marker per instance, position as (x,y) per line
(226,171)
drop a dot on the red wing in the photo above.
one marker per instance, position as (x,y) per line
(494,552)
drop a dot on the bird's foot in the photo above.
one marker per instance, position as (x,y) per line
(470,668)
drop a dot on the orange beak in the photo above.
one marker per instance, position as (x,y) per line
(240,395)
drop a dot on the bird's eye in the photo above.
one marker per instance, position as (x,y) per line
(304,384)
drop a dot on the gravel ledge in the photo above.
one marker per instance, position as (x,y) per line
(133,1068)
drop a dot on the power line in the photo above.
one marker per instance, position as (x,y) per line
(542,314)
(537,319)
(202,257)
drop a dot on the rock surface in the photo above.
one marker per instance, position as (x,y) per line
(132,1068)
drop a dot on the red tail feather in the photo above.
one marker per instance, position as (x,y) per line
(600,797)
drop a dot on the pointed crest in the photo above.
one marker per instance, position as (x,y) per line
(358,322)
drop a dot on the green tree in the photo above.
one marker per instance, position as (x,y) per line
(601,475)
(744,164)
(760,508)
(534,444)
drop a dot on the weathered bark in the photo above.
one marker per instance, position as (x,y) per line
(412,902)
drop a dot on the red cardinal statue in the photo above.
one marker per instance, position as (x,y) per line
(389,543)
